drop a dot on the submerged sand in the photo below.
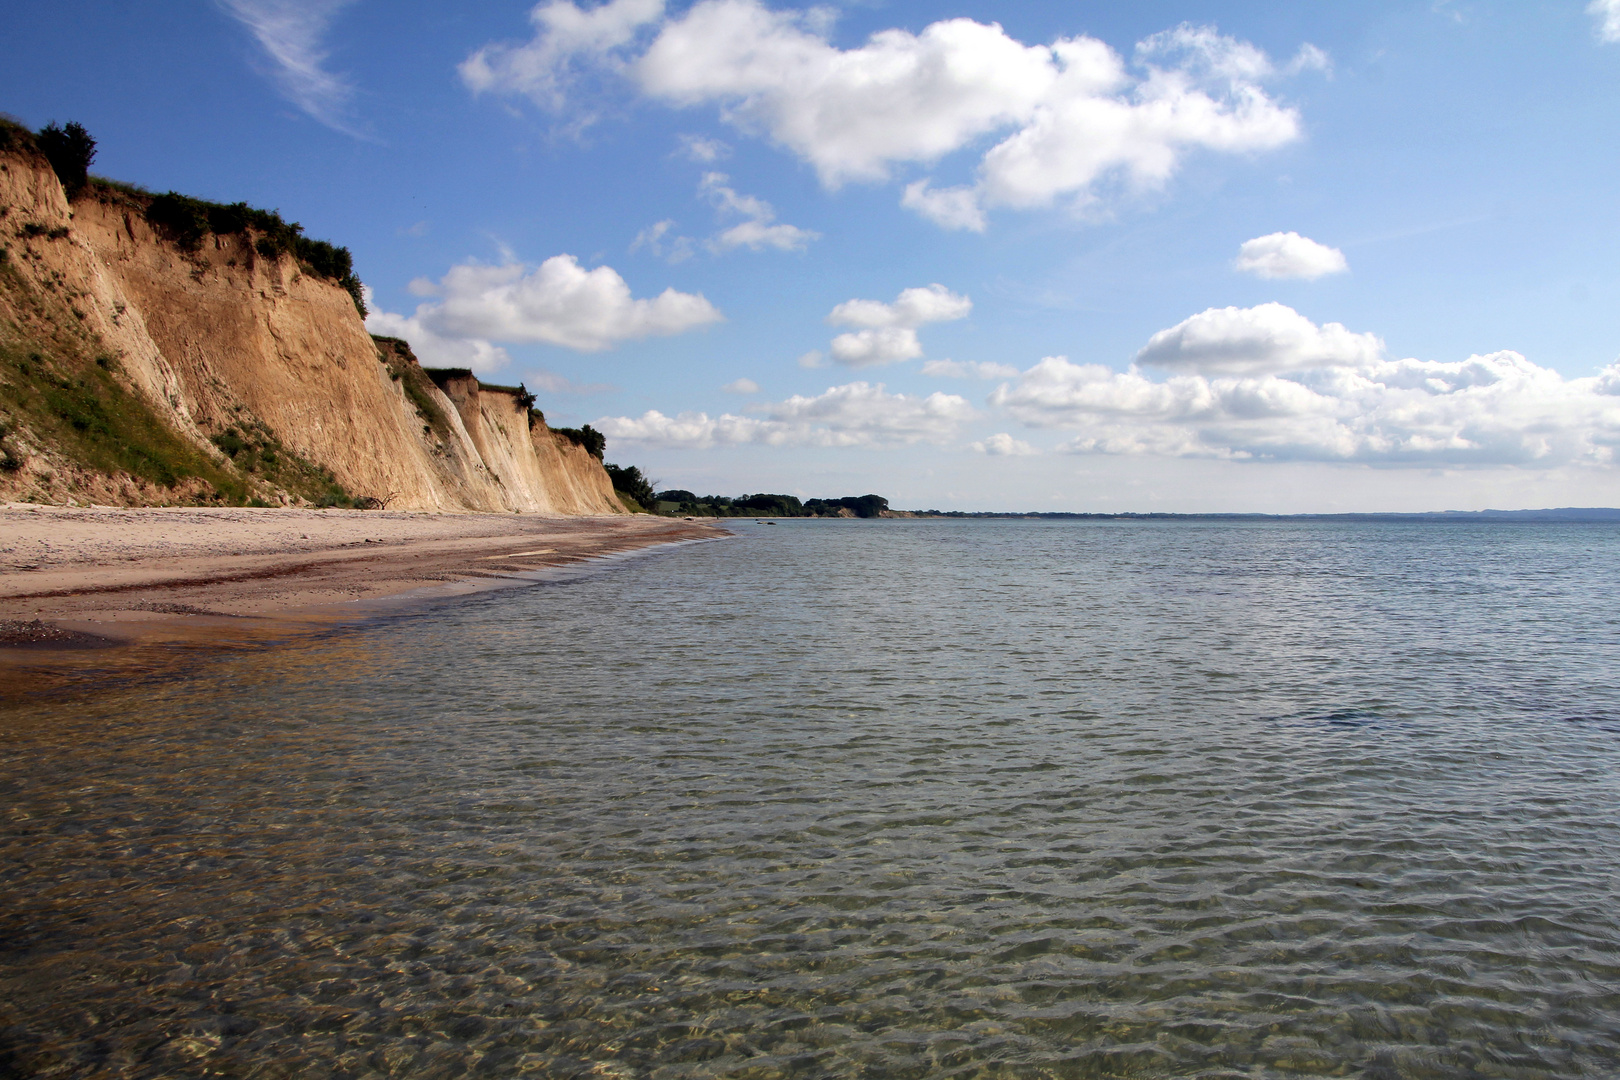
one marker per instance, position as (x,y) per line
(73,576)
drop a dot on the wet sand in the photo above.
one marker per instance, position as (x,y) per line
(85,579)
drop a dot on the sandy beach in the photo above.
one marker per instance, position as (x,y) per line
(73,576)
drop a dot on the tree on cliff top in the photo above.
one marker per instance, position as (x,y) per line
(70,151)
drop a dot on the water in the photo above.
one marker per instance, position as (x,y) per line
(864,799)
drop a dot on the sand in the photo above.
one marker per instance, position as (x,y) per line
(77,577)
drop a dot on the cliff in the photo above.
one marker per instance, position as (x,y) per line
(141,367)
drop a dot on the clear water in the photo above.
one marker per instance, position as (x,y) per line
(864,799)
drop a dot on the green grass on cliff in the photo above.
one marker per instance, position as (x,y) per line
(87,415)
(63,391)
(254,449)
(403,368)
(57,383)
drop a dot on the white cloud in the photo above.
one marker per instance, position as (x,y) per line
(1269,338)
(969,369)
(813,359)
(704,150)
(1310,58)
(741,386)
(1002,444)
(855,414)
(1070,117)
(867,348)
(559,303)
(1200,90)
(434,349)
(291,33)
(949,208)
(656,238)
(1607,14)
(483,357)
(1498,409)
(760,230)
(690,430)
(889,331)
(912,308)
(566,38)
(1290,255)
(553,383)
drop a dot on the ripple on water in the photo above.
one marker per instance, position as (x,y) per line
(858,799)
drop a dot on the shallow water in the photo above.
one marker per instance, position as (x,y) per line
(876,799)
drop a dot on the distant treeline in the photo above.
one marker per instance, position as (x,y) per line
(1561,514)
(679,501)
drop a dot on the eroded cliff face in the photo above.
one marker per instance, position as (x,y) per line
(264,377)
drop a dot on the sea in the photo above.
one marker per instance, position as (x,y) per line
(932,798)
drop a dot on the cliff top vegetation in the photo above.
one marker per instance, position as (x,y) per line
(181,219)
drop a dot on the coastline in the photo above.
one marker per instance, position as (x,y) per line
(81,586)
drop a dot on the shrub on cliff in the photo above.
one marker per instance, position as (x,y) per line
(70,150)
(186,221)
(520,391)
(594,442)
(183,221)
(13,135)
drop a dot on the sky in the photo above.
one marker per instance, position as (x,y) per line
(1174,255)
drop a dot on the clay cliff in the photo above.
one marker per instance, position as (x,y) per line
(142,368)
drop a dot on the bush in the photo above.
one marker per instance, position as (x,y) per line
(521,392)
(70,151)
(185,221)
(13,135)
(594,442)
(632,482)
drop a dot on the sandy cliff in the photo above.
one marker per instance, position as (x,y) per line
(135,372)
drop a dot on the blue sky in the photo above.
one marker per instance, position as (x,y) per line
(1083,256)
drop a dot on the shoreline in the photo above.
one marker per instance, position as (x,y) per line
(86,589)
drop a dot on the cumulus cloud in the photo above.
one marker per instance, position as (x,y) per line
(567,39)
(888,332)
(1290,255)
(741,386)
(291,33)
(1498,409)
(855,414)
(558,303)
(1067,118)
(869,348)
(1002,444)
(1268,338)
(913,307)
(1607,14)
(759,229)
(434,349)
(969,369)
